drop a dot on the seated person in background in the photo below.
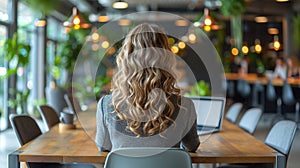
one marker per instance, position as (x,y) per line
(293,67)
(146,108)
(280,69)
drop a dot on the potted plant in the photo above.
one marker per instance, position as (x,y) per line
(17,55)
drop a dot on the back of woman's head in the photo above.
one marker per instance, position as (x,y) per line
(145,81)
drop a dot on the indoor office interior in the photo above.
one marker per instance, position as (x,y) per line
(58,59)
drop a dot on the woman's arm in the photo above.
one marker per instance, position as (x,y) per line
(102,135)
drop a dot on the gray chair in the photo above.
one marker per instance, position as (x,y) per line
(26,129)
(250,119)
(289,99)
(233,112)
(49,116)
(281,137)
(148,158)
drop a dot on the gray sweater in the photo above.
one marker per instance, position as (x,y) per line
(112,134)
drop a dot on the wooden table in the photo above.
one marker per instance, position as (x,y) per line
(231,145)
(252,78)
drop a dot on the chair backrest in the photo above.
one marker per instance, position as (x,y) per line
(49,115)
(250,119)
(270,92)
(148,158)
(73,103)
(243,88)
(25,128)
(233,112)
(281,136)
(287,94)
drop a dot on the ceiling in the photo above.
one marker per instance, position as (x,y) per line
(185,8)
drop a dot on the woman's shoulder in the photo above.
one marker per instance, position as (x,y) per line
(107,99)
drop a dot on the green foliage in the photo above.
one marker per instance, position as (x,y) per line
(68,51)
(233,7)
(16,54)
(94,87)
(201,88)
(43,6)
(296,21)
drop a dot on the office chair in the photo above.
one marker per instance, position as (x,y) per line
(233,112)
(73,103)
(281,137)
(250,119)
(49,116)
(148,158)
(26,129)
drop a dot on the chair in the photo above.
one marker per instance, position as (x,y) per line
(250,119)
(281,137)
(233,112)
(49,116)
(243,90)
(148,158)
(26,129)
(289,99)
(73,103)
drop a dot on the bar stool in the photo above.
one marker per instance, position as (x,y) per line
(244,90)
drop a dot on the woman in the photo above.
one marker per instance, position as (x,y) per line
(293,67)
(146,108)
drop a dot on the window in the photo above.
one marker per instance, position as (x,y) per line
(4,10)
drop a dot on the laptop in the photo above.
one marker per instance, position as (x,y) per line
(210,111)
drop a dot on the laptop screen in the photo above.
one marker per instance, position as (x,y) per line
(209,111)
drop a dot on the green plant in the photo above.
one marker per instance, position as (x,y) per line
(234,9)
(43,6)
(296,20)
(201,88)
(17,55)
(68,51)
(91,88)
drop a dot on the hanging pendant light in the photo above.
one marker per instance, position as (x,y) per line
(207,23)
(76,21)
(120,4)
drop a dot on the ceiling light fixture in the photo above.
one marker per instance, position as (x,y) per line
(261,19)
(76,21)
(276,43)
(120,4)
(207,23)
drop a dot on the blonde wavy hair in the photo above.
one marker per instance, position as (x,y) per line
(143,88)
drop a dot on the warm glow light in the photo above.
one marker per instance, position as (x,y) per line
(120,5)
(261,19)
(181,22)
(95,37)
(282,0)
(207,28)
(105,44)
(76,27)
(234,51)
(103,18)
(207,21)
(111,51)
(175,49)
(124,22)
(95,47)
(192,38)
(258,48)
(181,45)
(76,20)
(273,31)
(276,45)
(245,50)
(171,41)
(40,23)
